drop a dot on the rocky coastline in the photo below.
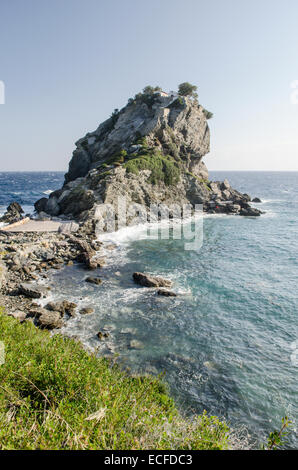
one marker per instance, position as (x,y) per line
(26,262)
(149,153)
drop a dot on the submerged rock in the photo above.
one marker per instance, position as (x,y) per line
(93,280)
(86,311)
(102,335)
(166,293)
(146,280)
(135,344)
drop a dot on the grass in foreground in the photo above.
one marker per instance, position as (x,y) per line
(54,395)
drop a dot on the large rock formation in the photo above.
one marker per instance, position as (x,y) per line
(149,152)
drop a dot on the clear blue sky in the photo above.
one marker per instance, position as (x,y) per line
(67,64)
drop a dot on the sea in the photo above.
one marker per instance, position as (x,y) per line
(228,343)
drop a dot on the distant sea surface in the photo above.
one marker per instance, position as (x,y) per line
(27,187)
(229,344)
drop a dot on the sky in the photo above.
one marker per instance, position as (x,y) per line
(66,64)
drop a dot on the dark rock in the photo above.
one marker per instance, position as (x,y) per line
(33,291)
(250,212)
(86,253)
(146,280)
(40,205)
(102,335)
(15,207)
(14,213)
(77,201)
(86,311)
(52,206)
(63,307)
(93,280)
(256,199)
(36,311)
(166,293)
(56,194)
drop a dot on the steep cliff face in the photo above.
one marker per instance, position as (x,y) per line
(149,152)
(176,126)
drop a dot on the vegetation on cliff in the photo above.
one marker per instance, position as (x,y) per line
(55,395)
(163,167)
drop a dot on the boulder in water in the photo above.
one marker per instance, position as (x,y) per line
(146,280)
(166,293)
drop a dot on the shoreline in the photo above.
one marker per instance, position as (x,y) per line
(27,313)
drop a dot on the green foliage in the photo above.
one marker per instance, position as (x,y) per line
(208,114)
(276,438)
(117,157)
(149,90)
(147,96)
(186,89)
(163,168)
(202,181)
(173,149)
(54,395)
(140,140)
(114,116)
(178,103)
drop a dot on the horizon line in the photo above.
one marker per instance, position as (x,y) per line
(65,171)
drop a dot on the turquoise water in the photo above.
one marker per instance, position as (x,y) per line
(226,343)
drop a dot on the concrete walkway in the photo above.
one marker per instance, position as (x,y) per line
(29,225)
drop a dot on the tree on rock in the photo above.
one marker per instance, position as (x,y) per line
(149,90)
(187,89)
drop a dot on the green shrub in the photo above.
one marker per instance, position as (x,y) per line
(208,114)
(117,157)
(187,89)
(163,168)
(178,103)
(55,395)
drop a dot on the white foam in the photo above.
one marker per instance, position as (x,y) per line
(48,191)
(144,231)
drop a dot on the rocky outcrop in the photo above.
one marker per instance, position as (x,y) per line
(146,280)
(14,213)
(33,291)
(177,126)
(63,307)
(93,280)
(86,310)
(166,293)
(49,320)
(150,152)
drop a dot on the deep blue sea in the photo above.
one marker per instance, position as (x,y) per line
(229,342)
